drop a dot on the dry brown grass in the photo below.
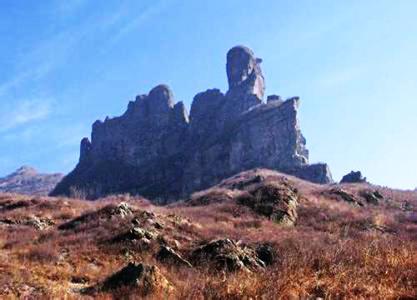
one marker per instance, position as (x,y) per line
(336,250)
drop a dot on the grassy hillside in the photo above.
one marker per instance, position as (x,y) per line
(347,241)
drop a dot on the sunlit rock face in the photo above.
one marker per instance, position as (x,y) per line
(159,151)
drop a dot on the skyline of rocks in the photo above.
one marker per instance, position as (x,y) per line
(158,150)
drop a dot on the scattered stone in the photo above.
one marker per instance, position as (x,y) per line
(135,234)
(168,255)
(275,201)
(353,177)
(345,196)
(143,217)
(33,221)
(227,255)
(39,223)
(372,197)
(122,210)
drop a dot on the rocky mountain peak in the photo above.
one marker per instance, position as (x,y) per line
(25,171)
(244,72)
(27,180)
(161,98)
(155,149)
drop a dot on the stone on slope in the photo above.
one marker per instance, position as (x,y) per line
(168,255)
(107,213)
(372,197)
(353,177)
(277,201)
(227,255)
(343,195)
(146,278)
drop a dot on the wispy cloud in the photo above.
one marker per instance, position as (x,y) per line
(143,16)
(24,112)
(339,77)
(49,54)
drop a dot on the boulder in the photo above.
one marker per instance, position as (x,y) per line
(273,200)
(353,177)
(109,212)
(135,234)
(226,254)
(146,279)
(343,195)
(32,221)
(168,255)
(372,197)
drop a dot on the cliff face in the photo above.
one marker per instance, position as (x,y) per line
(155,149)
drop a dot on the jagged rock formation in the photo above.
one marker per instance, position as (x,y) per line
(27,180)
(155,149)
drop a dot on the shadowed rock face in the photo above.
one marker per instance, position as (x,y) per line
(244,73)
(353,177)
(159,151)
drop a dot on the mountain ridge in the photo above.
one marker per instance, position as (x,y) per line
(27,180)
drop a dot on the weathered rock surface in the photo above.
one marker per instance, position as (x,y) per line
(275,201)
(169,256)
(343,195)
(227,255)
(147,279)
(109,212)
(32,221)
(27,180)
(372,197)
(353,177)
(155,149)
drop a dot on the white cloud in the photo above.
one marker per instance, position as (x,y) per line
(24,112)
(49,54)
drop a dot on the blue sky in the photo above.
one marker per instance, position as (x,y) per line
(353,63)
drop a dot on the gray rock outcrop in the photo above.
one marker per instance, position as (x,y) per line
(353,177)
(159,151)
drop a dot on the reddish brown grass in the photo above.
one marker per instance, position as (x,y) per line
(336,251)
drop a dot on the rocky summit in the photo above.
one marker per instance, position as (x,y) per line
(158,150)
(27,180)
